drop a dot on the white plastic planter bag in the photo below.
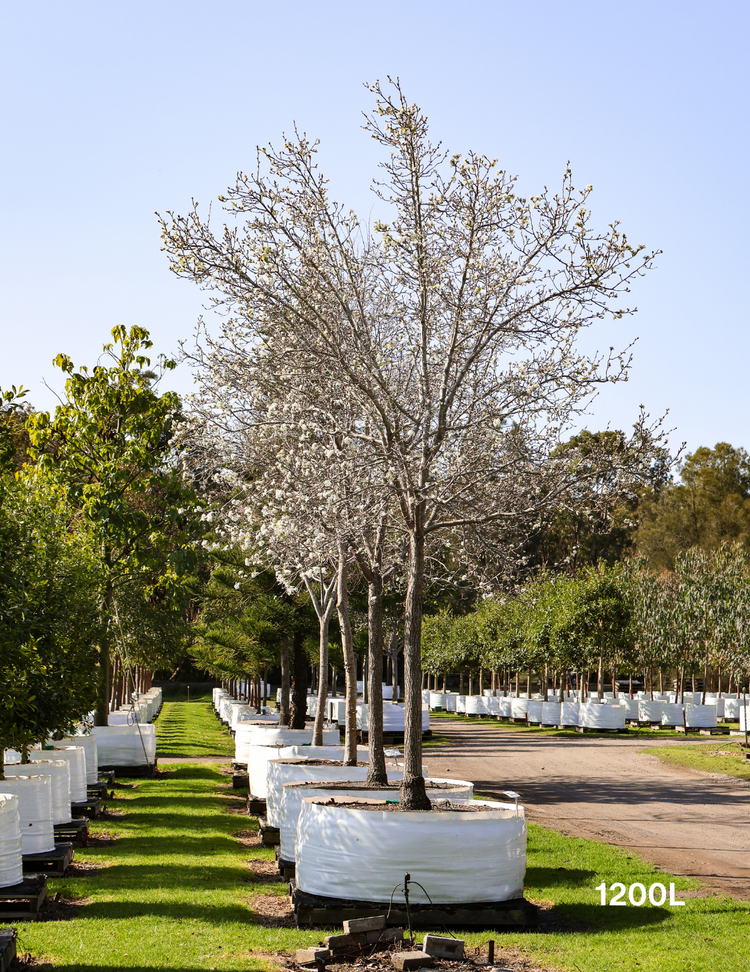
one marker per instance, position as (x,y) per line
(631,708)
(551,713)
(76,756)
(593,715)
(744,714)
(281,771)
(294,793)
(731,709)
(672,715)
(505,707)
(243,713)
(493,705)
(388,692)
(438,701)
(700,716)
(126,745)
(519,708)
(336,710)
(450,701)
(58,771)
(461,704)
(35,810)
(569,714)
(322,752)
(649,711)
(719,705)
(535,711)
(355,855)
(11,855)
(90,750)
(425,695)
(474,705)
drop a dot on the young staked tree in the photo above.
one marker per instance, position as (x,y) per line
(451,331)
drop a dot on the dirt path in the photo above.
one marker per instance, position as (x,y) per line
(684,821)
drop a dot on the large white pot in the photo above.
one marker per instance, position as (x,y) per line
(438,700)
(11,855)
(719,705)
(475,705)
(593,715)
(451,699)
(76,756)
(700,716)
(35,810)
(293,793)
(505,707)
(631,707)
(519,708)
(336,710)
(321,752)
(126,746)
(267,734)
(732,709)
(281,771)
(394,716)
(672,714)
(649,711)
(90,750)
(493,705)
(58,771)
(357,854)
(744,714)
(551,713)
(534,712)
(570,714)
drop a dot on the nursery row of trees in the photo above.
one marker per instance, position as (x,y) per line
(625,620)
(97,532)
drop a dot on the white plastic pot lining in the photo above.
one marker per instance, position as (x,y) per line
(11,855)
(322,752)
(76,756)
(336,710)
(124,745)
(700,716)
(731,709)
(58,770)
(504,708)
(519,708)
(35,810)
(593,715)
(91,753)
(649,711)
(551,713)
(293,794)
(569,714)
(265,732)
(363,854)
(476,705)
(438,700)
(461,703)
(394,716)
(535,711)
(280,771)
(672,714)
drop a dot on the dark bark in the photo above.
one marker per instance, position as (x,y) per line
(299,682)
(350,664)
(101,713)
(413,795)
(284,706)
(376,774)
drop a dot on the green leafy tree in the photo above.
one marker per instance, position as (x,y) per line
(110,443)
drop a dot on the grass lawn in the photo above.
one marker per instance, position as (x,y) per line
(191,729)
(178,889)
(725,757)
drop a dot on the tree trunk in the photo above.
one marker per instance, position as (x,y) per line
(320,710)
(299,682)
(413,795)
(350,664)
(101,713)
(376,774)
(284,703)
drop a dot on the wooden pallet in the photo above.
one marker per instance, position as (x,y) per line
(54,862)
(90,808)
(23,902)
(107,778)
(314,910)
(76,832)
(286,868)
(7,948)
(98,790)
(256,806)
(712,731)
(585,729)
(145,771)
(269,836)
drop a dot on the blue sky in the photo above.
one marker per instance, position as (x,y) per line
(111,112)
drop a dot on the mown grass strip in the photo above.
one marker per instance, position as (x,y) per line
(727,758)
(191,729)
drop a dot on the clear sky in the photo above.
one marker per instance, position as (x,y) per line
(111,112)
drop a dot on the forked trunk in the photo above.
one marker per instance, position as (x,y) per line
(413,794)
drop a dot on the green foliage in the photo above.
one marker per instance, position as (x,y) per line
(708,507)
(49,619)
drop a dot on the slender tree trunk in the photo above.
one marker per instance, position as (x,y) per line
(101,713)
(413,794)
(284,703)
(299,682)
(350,663)
(320,711)
(376,774)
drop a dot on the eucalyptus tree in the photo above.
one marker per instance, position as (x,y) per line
(452,330)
